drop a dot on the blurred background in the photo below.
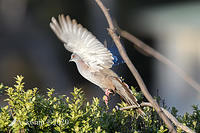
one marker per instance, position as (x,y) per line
(28,47)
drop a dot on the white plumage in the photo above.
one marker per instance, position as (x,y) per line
(92,59)
(80,41)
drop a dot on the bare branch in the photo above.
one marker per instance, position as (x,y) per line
(167,113)
(152,52)
(132,68)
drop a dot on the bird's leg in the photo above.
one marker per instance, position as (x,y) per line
(107,96)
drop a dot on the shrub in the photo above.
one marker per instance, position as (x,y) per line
(28,111)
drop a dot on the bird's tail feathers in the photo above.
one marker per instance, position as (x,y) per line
(123,90)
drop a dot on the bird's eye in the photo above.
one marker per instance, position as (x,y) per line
(73,56)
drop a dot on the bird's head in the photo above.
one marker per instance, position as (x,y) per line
(74,58)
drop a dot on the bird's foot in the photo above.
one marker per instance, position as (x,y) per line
(107,96)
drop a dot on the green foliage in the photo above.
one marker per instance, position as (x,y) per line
(28,111)
(1,88)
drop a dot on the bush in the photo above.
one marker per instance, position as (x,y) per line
(28,111)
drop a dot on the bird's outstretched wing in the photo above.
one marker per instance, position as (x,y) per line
(79,40)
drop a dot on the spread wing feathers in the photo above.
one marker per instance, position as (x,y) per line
(123,90)
(79,40)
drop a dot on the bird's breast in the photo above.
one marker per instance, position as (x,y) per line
(96,78)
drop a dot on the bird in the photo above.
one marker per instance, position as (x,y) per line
(93,60)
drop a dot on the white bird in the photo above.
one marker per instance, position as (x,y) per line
(92,59)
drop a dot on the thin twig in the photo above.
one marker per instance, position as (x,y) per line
(132,68)
(167,113)
(152,52)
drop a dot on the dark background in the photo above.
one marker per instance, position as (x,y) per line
(28,47)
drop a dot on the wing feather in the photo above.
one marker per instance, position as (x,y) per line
(79,40)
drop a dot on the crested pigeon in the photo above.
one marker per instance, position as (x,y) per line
(92,58)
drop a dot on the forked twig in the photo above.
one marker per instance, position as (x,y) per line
(167,113)
(132,68)
(152,52)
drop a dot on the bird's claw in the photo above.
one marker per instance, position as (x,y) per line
(107,95)
(106,100)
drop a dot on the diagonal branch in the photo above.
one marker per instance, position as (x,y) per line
(167,113)
(152,52)
(132,68)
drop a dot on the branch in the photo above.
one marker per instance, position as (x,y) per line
(132,68)
(167,113)
(152,52)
